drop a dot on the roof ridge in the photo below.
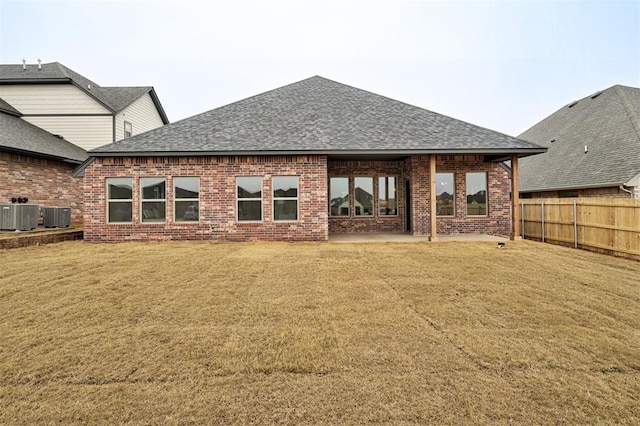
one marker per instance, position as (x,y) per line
(62,69)
(631,112)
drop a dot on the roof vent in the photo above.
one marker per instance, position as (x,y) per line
(89,86)
(39,64)
(586,149)
(595,95)
(24,64)
(572,104)
(59,136)
(552,140)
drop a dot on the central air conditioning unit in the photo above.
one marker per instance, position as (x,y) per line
(56,217)
(18,217)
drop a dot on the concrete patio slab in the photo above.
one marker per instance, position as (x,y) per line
(403,237)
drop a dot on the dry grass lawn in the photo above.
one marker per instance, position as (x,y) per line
(199,333)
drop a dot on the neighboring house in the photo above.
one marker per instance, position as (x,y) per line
(299,162)
(65,103)
(593,148)
(37,165)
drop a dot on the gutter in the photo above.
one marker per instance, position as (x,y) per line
(524,151)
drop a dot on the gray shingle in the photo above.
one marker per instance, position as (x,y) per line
(608,125)
(318,115)
(21,136)
(8,108)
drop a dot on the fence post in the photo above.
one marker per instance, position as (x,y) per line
(522,217)
(542,213)
(575,225)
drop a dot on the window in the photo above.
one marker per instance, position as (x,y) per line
(128,129)
(249,191)
(186,196)
(476,194)
(387,201)
(445,194)
(339,196)
(153,195)
(119,199)
(285,198)
(363,191)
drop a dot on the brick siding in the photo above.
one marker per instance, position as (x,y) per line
(498,218)
(48,183)
(374,169)
(217,198)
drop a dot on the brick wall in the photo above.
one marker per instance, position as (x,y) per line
(498,219)
(416,170)
(48,183)
(217,198)
(375,169)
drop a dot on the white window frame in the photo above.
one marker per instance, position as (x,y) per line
(119,200)
(176,199)
(153,200)
(261,199)
(296,198)
(130,129)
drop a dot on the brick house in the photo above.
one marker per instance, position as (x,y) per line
(37,165)
(300,162)
(593,148)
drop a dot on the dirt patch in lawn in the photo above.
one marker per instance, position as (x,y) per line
(318,333)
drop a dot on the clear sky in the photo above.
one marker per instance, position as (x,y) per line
(504,64)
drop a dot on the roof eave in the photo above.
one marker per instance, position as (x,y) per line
(568,188)
(40,155)
(156,101)
(500,154)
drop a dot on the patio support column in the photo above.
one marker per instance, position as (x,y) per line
(432,192)
(516,234)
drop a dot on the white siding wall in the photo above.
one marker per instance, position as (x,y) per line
(142,114)
(86,132)
(50,99)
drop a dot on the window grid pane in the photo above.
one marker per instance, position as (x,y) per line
(119,200)
(249,195)
(285,198)
(153,196)
(186,199)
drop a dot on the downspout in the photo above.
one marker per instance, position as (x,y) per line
(626,190)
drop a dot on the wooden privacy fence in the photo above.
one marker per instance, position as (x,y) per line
(601,224)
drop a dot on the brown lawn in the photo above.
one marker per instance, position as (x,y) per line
(199,333)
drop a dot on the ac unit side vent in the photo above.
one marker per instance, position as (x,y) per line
(18,217)
(56,217)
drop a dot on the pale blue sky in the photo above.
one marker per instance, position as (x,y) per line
(504,65)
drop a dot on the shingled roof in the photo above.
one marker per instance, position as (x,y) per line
(7,108)
(114,99)
(593,142)
(22,137)
(319,116)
